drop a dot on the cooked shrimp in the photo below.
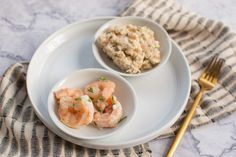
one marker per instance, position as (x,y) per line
(100,105)
(104,88)
(110,117)
(68,92)
(75,112)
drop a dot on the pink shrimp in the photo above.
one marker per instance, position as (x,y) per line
(110,117)
(101,88)
(75,112)
(77,92)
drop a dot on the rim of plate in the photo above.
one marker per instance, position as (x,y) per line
(109,146)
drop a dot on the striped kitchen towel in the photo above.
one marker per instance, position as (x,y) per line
(22,133)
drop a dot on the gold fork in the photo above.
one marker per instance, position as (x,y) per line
(207,81)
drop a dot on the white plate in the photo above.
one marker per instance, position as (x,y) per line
(162,96)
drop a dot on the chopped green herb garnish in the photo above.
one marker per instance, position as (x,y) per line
(102,78)
(89,100)
(11,100)
(101,98)
(75,105)
(122,119)
(90,89)
(99,110)
(78,98)
(113,100)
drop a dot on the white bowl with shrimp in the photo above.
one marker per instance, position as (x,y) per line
(124,92)
(160,35)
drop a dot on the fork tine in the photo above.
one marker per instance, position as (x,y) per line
(212,73)
(210,67)
(214,63)
(216,73)
(210,64)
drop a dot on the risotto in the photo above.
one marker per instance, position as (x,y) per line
(132,48)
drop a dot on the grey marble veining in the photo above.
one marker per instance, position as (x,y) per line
(25,24)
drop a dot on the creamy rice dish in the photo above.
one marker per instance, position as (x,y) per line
(132,48)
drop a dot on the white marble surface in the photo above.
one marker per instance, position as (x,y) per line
(24,24)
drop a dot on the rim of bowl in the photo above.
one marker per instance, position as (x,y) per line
(96,53)
(56,120)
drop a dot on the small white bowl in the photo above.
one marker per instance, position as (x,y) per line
(124,93)
(160,35)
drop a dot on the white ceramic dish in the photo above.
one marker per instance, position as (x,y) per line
(162,96)
(80,79)
(160,35)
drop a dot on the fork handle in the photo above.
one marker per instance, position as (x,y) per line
(185,124)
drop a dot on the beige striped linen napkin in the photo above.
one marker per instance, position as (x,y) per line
(22,133)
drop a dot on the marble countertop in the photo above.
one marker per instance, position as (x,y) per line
(25,24)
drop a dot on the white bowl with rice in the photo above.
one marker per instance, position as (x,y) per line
(131,46)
